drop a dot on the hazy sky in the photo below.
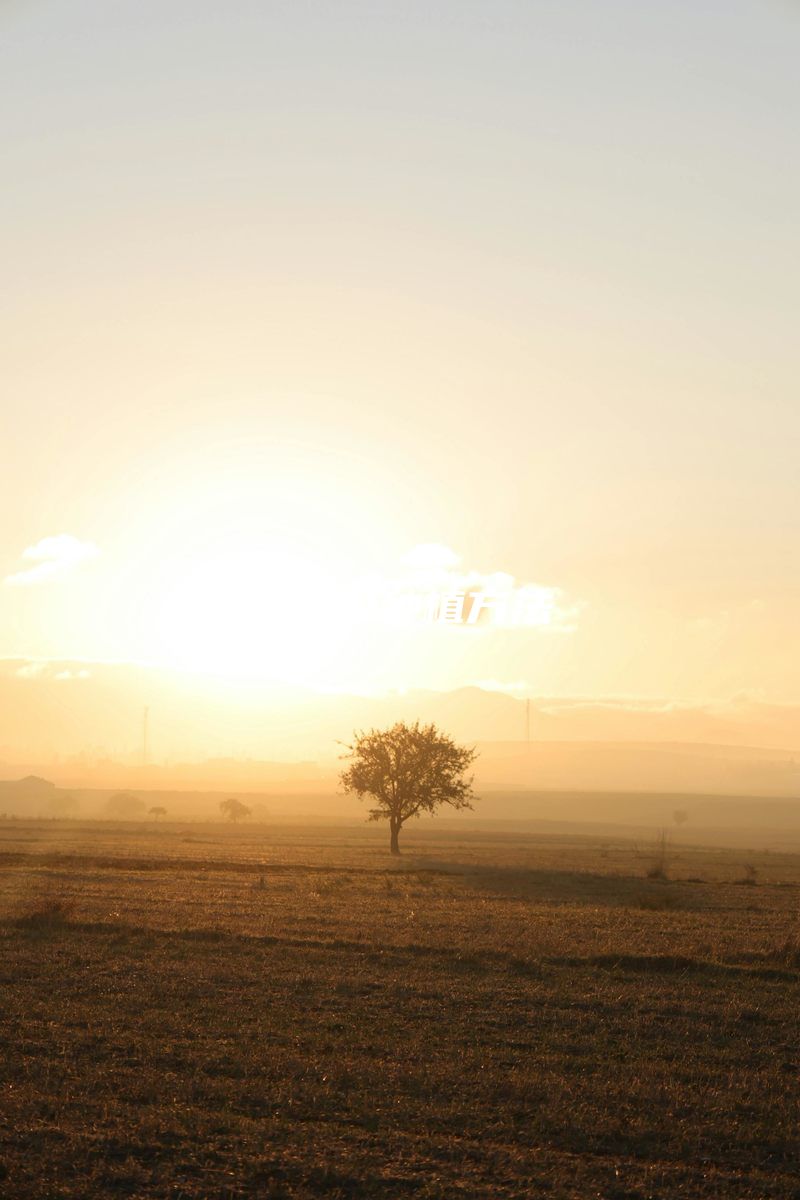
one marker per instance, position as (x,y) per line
(289,289)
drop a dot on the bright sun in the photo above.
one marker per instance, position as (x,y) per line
(249,574)
(270,611)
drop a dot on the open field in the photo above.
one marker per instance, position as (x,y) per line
(282,1011)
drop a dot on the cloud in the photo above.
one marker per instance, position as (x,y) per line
(42,669)
(31,670)
(742,720)
(53,557)
(432,588)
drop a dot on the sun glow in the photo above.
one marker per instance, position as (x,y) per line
(269,612)
(247,572)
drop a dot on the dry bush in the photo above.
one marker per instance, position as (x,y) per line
(50,912)
(658,866)
(749,879)
(787,953)
(657,901)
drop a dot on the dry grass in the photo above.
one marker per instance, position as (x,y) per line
(49,913)
(488,1019)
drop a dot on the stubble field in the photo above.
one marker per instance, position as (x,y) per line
(204,1011)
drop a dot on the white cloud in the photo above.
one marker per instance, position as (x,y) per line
(42,669)
(53,557)
(431,582)
(31,670)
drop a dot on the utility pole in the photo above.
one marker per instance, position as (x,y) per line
(145,722)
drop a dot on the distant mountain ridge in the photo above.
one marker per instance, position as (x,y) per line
(57,710)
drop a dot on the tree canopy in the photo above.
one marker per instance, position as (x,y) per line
(233,809)
(125,806)
(407,770)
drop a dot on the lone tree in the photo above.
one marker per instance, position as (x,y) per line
(233,809)
(408,770)
(125,806)
(157,811)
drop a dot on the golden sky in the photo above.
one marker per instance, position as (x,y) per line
(296,295)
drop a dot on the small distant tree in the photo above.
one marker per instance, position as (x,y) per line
(63,806)
(408,770)
(233,809)
(124,806)
(680,816)
(157,811)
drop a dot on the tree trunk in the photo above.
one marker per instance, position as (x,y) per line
(394,829)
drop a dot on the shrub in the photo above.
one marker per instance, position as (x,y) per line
(749,878)
(658,902)
(787,953)
(50,912)
(658,867)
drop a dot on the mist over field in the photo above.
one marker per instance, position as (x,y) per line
(56,710)
(399,578)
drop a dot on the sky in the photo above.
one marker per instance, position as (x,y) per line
(308,309)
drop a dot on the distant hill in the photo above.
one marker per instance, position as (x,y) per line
(79,721)
(30,786)
(639,767)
